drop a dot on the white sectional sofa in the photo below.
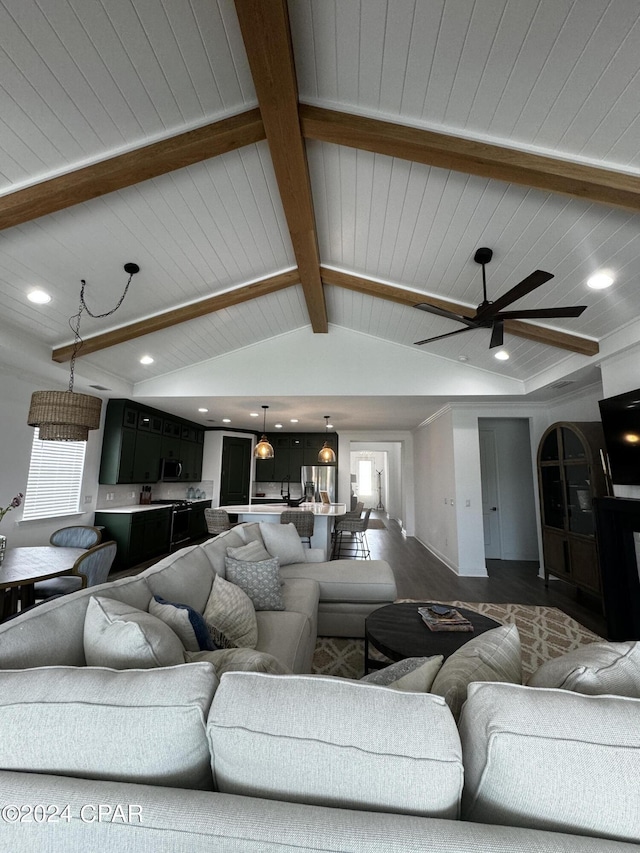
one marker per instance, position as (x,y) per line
(200,756)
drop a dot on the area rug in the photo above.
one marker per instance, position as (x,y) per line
(376,524)
(545,633)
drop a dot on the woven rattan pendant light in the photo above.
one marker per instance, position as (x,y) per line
(66,415)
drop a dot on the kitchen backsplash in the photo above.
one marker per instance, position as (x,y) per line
(272,490)
(129,495)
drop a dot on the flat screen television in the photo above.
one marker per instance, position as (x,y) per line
(621,425)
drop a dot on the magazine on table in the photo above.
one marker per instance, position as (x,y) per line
(440,618)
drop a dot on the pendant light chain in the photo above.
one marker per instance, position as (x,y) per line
(74,322)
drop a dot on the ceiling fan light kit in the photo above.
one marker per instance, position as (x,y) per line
(489,315)
(66,415)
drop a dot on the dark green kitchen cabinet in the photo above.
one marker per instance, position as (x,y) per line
(290,452)
(141,535)
(197,521)
(136,439)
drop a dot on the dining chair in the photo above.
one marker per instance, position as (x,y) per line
(76,536)
(356,544)
(90,569)
(217,521)
(303,522)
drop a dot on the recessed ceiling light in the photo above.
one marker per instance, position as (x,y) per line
(600,280)
(203,410)
(254,414)
(146,359)
(226,420)
(39,297)
(278,426)
(502,355)
(294,420)
(463,358)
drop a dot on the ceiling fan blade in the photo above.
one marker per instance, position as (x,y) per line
(576,311)
(497,334)
(442,312)
(439,337)
(525,286)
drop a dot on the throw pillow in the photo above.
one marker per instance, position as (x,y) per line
(120,636)
(492,656)
(187,623)
(231,611)
(260,580)
(251,551)
(250,532)
(282,541)
(415,675)
(612,668)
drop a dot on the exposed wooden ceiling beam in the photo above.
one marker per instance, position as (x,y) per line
(130,168)
(520,328)
(617,189)
(180,315)
(267,40)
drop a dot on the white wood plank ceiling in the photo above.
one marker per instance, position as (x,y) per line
(82,81)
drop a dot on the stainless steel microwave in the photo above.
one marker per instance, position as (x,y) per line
(170,469)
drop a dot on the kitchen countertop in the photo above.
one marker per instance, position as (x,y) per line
(133,508)
(266,509)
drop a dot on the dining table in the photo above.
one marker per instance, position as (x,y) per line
(23,567)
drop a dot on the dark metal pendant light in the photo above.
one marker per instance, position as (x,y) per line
(264,450)
(327,454)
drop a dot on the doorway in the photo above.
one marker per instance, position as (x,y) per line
(508,493)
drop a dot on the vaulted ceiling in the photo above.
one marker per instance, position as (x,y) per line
(317,165)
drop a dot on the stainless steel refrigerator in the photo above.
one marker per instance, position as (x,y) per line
(316,479)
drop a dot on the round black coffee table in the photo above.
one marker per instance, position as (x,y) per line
(397,630)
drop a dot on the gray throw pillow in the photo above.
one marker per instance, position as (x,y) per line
(283,542)
(414,675)
(187,623)
(260,580)
(252,551)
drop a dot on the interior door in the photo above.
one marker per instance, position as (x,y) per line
(490,507)
(236,471)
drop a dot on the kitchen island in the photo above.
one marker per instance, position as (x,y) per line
(324,515)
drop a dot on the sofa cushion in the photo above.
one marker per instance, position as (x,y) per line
(187,623)
(347,744)
(348,581)
(238,660)
(282,541)
(216,548)
(230,611)
(185,576)
(252,551)
(259,579)
(594,669)
(492,656)
(412,674)
(120,636)
(552,759)
(145,726)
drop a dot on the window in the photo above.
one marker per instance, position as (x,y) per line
(55,478)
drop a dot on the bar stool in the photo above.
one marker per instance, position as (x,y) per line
(357,545)
(303,521)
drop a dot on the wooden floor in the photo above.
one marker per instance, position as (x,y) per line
(421,575)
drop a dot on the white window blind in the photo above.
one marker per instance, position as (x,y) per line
(55,478)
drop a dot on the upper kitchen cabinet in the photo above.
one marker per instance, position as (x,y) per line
(136,438)
(291,452)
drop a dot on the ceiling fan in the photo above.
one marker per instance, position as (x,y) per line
(489,315)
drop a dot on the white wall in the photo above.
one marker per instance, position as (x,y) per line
(435,487)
